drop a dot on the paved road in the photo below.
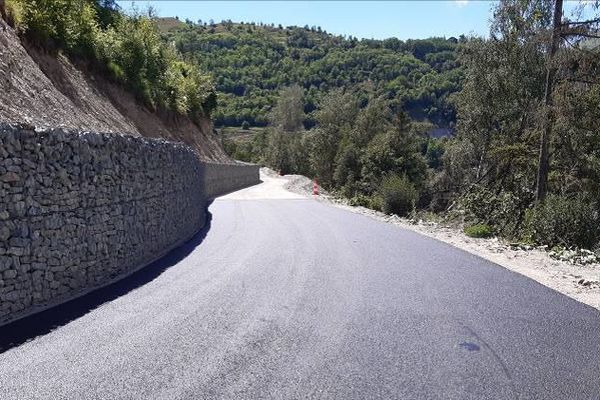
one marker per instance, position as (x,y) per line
(294,299)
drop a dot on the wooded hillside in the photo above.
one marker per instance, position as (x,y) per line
(524,162)
(252,62)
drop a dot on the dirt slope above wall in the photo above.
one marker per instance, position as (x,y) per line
(47,91)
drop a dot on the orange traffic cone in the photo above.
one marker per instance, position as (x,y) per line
(315,188)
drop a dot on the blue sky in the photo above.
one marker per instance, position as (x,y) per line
(363,19)
(414,19)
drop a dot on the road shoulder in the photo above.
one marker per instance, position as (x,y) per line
(580,282)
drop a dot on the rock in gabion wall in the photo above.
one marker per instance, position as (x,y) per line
(80,209)
(223,178)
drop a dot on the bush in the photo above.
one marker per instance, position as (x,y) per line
(363,200)
(398,195)
(63,24)
(245,125)
(14,13)
(563,221)
(479,231)
(128,47)
(502,211)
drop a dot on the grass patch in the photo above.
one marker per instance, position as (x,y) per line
(479,231)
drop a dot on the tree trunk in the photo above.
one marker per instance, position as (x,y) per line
(544,161)
(3,10)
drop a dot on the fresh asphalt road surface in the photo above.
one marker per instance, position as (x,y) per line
(289,298)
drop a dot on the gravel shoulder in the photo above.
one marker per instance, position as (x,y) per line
(580,282)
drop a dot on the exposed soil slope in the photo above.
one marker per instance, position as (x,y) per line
(48,91)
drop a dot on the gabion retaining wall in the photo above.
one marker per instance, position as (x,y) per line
(81,209)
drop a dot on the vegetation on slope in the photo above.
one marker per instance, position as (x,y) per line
(356,114)
(366,149)
(127,47)
(253,62)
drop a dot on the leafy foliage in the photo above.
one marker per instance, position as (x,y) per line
(398,195)
(253,62)
(479,231)
(503,211)
(364,147)
(128,47)
(351,149)
(288,113)
(489,169)
(564,221)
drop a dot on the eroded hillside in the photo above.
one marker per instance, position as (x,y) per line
(46,90)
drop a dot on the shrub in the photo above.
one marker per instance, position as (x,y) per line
(359,199)
(502,211)
(65,24)
(376,203)
(115,71)
(398,195)
(479,231)
(129,47)
(14,13)
(563,221)
(363,200)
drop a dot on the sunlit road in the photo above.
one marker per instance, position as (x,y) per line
(288,298)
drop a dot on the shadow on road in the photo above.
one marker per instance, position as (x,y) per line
(41,323)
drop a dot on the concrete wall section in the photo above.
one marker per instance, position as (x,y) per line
(80,209)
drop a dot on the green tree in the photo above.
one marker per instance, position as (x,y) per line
(288,112)
(399,195)
(394,151)
(335,115)
(277,154)
(251,68)
(499,105)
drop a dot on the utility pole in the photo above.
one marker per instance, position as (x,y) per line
(544,161)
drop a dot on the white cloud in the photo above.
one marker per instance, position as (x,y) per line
(461,3)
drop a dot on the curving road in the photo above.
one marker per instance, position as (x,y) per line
(286,298)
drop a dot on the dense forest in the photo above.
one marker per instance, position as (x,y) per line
(252,62)
(524,162)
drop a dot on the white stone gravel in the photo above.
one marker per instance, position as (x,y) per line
(271,187)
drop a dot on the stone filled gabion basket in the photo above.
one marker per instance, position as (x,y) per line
(79,209)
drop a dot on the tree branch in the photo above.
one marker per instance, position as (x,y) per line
(584,34)
(575,46)
(589,21)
